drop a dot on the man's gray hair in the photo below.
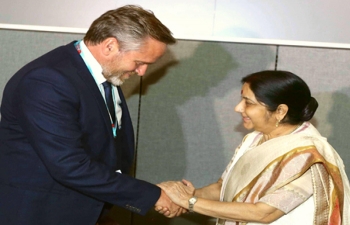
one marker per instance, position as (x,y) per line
(130,25)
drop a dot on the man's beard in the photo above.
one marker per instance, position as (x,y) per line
(116,78)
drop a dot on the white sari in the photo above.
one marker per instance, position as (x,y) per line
(299,173)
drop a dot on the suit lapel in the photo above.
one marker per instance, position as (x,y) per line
(86,77)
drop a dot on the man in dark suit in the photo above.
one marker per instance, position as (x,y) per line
(63,152)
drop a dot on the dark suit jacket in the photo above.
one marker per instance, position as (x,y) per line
(57,153)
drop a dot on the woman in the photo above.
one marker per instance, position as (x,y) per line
(284,172)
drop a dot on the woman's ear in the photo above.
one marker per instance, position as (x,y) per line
(281,112)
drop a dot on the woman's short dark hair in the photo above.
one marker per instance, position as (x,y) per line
(130,25)
(273,88)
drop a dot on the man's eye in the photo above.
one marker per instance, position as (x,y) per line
(139,63)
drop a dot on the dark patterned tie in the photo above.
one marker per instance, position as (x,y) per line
(109,99)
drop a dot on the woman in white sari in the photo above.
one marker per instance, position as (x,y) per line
(284,172)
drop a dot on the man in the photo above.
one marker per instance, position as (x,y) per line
(63,152)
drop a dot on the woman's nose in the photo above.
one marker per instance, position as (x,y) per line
(239,107)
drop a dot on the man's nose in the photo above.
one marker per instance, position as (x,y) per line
(141,70)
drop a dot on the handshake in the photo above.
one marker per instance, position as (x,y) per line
(174,198)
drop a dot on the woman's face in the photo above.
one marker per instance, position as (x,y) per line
(255,115)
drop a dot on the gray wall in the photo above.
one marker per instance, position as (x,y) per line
(184,111)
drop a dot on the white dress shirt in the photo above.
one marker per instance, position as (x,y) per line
(96,72)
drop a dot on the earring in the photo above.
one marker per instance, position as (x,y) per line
(278,123)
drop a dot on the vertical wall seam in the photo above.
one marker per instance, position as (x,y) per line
(137,140)
(137,128)
(276,58)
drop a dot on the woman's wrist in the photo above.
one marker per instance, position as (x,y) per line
(197,192)
(191,203)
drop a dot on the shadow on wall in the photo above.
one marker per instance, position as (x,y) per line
(339,117)
(182,116)
(173,132)
(169,139)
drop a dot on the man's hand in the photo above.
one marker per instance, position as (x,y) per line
(165,206)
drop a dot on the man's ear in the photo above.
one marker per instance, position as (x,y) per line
(110,46)
(281,111)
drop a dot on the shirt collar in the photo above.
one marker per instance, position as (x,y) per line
(95,67)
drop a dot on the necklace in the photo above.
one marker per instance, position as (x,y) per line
(262,138)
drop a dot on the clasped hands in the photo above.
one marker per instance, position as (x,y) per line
(174,197)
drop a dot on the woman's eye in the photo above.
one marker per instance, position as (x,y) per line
(249,103)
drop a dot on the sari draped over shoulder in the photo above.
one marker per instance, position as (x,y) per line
(257,171)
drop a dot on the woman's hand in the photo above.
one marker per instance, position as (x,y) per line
(178,191)
(189,185)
